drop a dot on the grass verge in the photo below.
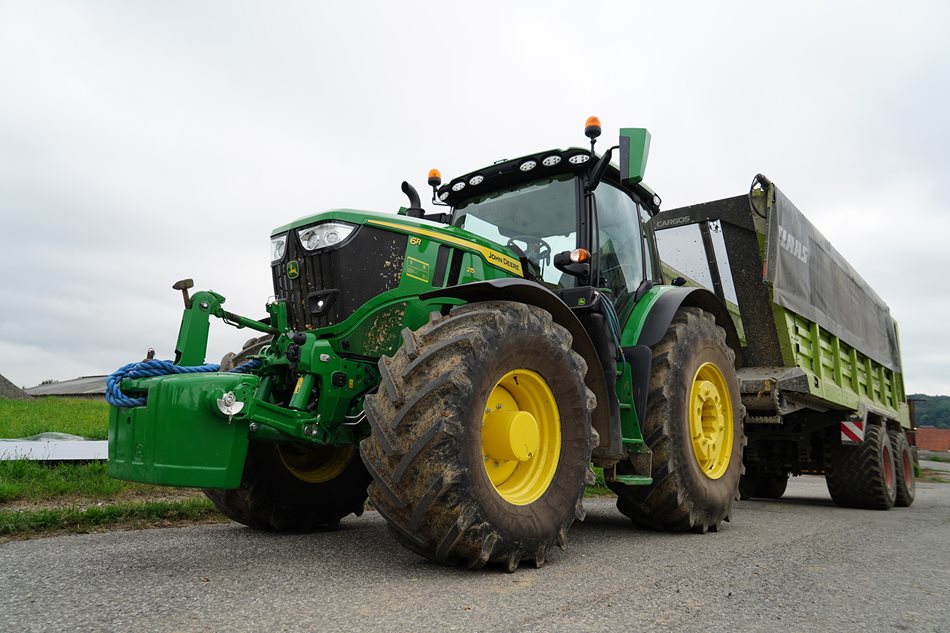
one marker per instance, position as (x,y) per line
(31,482)
(38,498)
(76,416)
(31,522)
(934,476)
(600,488)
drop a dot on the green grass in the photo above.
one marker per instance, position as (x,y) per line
(76,416)
(600,488)
(937,458)
(24,522)
(22,480)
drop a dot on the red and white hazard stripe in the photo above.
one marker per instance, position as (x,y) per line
(852,431)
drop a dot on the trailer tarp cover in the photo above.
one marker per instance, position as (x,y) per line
(811,278)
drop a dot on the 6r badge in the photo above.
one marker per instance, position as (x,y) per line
(293,269)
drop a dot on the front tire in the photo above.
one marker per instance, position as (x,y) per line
(481,436)
(693,426)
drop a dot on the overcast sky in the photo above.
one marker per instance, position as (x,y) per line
(141,143)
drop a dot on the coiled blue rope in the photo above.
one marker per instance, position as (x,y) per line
(149,368)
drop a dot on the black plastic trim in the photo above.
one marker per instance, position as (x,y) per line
(640,358)
(441,260)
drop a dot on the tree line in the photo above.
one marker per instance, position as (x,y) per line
(932,410)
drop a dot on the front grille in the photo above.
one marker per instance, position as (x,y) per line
(343,277)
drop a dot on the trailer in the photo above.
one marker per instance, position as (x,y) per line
(820,373)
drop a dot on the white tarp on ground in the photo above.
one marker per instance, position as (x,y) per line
(54,447)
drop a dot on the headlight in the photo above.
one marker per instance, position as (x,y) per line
(278,246)
(322,235)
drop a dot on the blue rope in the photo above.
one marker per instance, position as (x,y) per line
(149,368)
(246,367)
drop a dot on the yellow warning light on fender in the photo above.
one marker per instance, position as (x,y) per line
(435,178)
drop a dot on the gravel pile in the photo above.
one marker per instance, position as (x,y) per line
(10,391)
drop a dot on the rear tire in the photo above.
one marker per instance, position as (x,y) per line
(904,465)
(687,495)
(428,453)
(864,475)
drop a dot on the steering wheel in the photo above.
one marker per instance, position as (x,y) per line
(542,254)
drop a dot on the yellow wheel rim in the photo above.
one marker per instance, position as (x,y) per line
(521,436)
(710,421)
(317,464)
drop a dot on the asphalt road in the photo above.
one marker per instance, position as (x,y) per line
(798,564)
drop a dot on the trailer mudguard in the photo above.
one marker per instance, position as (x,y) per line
(522,291)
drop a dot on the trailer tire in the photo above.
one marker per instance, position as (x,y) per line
(863,475)
(904,466)
(763,485)
(285,488)
(683,497)
(432,442)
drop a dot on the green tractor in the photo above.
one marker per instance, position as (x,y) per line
(464,368)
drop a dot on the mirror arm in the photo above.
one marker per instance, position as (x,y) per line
(597,173)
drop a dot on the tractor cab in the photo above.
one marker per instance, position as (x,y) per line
(569,216)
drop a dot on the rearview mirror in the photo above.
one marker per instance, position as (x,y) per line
(564,263)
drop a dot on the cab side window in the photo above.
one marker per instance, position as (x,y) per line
(621,245)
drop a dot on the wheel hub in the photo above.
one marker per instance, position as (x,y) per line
(510,435)
(521,436)
(710,421)
(316,464)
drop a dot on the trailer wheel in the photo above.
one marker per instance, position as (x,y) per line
(693,426)
(481,436)
(286,488)
(763,485)
(864,475)
(904,465)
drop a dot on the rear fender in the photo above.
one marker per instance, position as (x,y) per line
(655,326)
(664,309)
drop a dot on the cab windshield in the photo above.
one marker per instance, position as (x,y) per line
(540,218)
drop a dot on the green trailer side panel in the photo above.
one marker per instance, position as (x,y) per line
(838,373)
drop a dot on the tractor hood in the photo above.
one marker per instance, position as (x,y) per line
(332,266)
(495,254)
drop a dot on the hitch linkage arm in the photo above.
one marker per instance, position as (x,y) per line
(192,342)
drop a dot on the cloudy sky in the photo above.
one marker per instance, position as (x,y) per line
(141,143)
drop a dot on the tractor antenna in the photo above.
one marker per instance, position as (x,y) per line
(592,131)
